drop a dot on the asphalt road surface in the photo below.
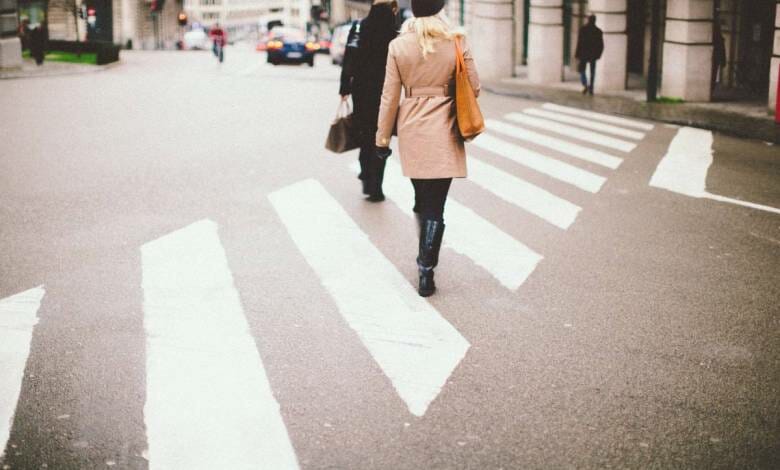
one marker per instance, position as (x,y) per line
(190,280)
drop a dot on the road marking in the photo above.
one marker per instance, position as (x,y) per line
(684,168)
(572,132)
(412,343)
(18,317)
(543,164)
(505,258)
(523,194)
(208,401)
(586,123)
(599,116)
(573,150)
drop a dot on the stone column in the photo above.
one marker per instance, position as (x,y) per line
(773,74)
(545,42)
(611,68)
(578,18)
(10,45)
(491,38)
(687,66)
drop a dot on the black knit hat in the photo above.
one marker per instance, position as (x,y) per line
(421,8)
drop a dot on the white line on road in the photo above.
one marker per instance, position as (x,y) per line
(523,194)
(568,148)
(599,116)
(412,343)
(208,401)
(572,132)
(18,316)
(684,168)
(506,259)
(586,123)
(557,169)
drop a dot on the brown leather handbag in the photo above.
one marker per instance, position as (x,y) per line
(341,137)
(470,121)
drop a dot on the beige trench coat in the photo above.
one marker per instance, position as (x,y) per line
(430,145)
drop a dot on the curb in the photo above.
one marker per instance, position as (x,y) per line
(726,122)
(59,72)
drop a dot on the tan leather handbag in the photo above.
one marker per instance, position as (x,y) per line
(470,121)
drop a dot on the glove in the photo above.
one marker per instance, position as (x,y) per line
(383,152)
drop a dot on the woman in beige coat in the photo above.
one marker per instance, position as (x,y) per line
(422,61)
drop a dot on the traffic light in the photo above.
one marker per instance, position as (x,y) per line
(182,19)
(157,5)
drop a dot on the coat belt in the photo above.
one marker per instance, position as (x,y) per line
(443,90)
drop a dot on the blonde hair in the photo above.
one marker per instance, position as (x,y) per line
(430,30)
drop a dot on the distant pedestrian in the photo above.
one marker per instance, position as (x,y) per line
(422,60)
(38,44)
(362,76)
(590,46)
(24,33)
(218,41)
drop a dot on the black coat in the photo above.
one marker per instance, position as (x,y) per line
(363,69)
(590,43)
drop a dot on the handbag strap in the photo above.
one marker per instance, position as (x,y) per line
(460,63)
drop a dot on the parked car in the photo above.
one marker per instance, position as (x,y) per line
(289,45)
(339,43)
(196,39)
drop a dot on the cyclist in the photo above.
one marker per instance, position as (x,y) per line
(219,39)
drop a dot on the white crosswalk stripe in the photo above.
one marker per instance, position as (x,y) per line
(410,341)
(557,169)
(507,259)
(599,116)
(531,198)
(208,401)
(572,132)
(586,123)
(18,316)
(573,150)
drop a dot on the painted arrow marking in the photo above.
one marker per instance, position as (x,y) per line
(18,317)
(412,343)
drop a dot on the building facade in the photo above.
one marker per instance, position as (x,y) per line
(242,17)
(125,22)
(543,37)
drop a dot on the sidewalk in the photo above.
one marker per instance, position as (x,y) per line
(50,69)
(743,119)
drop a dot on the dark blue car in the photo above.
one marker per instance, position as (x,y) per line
(288,45)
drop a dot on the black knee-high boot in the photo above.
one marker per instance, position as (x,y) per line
(376,179)
(431,237)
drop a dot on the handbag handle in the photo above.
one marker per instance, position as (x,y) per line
(343,109)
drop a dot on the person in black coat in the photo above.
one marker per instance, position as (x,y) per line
(363,76)
(38,44)
(590,46)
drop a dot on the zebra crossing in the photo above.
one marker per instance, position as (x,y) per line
(209,402)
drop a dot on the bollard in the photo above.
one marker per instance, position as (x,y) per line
(777,102)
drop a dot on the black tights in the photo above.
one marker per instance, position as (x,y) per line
(430,196)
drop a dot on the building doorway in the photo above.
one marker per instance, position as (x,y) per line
(747,34)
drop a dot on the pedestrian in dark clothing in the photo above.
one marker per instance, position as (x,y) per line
(590,46)
(24,33)
(38,44)
(362,76)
